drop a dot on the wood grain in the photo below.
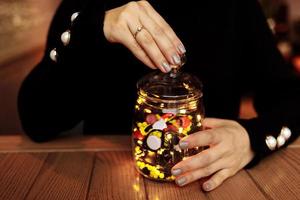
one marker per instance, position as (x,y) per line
(277,178)
(114,177)
(292,156)
(21,143)
(18,173)
(240,186)
(165,191)
(63,176)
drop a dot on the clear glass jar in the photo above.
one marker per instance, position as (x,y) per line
(167,109)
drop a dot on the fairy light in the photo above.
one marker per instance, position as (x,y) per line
(146,110)
(183,111)
(137,107)
(151,153)
(155,163)
(198,118)
(180,130)
(136,187)
(169,136)
(140,142)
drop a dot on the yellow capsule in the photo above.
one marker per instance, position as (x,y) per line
(161,175)
(151,153)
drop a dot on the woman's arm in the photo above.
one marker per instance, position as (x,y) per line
(276,88)
(51,98)
(276,94)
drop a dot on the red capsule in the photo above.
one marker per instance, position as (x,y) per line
(185,121)
(138,135)
(167,115)
(151,118)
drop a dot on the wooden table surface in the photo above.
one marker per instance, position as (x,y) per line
(101,167)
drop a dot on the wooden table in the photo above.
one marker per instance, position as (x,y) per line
(100,167)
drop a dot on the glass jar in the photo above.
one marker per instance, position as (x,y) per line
(167,109)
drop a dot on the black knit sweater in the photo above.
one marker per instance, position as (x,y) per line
(229,47)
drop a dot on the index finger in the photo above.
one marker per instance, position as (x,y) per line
(164,25)
(199,139)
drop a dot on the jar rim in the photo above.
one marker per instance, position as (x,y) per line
(174,99)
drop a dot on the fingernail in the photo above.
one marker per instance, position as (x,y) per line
(181,181)
(181,48)
(183,145)
(176,172)
(207,186)
(166,66)
(176,59)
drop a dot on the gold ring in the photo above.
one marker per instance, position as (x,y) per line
(139,29)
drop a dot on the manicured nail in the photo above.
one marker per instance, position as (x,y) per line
(181,49)
(181,181)
(183,145)
(176,172)
(207,186)
(166,66)
(176,59)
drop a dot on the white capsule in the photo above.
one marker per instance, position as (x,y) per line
(286,132)
(74,16)
(53,55)
(280,141)
(65,37)
(160,124)
(153,142)
(271,142)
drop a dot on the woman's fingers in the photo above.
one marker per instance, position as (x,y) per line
(164,26)
(200,139)
(137,51)
(217,179)
(148,44)
(203,159)
(161,39)
(199,173)
(152,44)
(146,41)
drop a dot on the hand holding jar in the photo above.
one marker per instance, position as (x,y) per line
(229,151)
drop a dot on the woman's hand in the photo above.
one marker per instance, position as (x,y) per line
(229,151)
(145,33)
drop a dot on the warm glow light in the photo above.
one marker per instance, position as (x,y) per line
(183,111)
(186,86)
(151,153)
(296,62)
(146,110)
(199,124)
(136,187)
(198,118)
(180,130)
(140,142)
(169,136)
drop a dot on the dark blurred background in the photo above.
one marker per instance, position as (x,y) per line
(23,30)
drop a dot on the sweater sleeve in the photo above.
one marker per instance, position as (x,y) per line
(51,97)
(276,89)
